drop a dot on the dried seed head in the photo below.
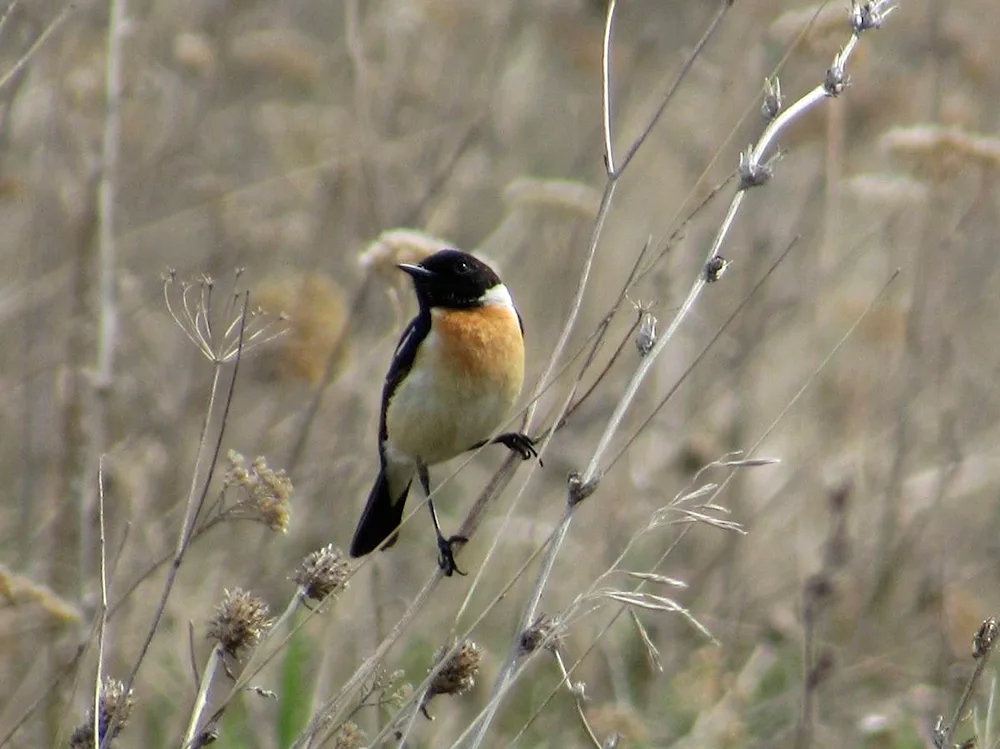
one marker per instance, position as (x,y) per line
(645,339)
(836,79)
(751,172)
(540,633)
(218,326)
(317,321)
(323,572)
(348,736)
(266,493)
(985,639)
(941,152)
(397,246)
(870,14)
(554,193)
(715,268)
(115,704)
(773,100)
(239,622)
(458,675)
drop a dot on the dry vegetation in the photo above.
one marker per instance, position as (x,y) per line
(692,595)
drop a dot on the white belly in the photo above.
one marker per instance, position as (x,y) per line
(433,420)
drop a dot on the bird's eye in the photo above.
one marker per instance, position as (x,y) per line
(462,267)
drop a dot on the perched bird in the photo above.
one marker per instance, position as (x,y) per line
(457,371)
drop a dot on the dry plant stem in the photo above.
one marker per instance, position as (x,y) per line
(196,499)
(70,666)
(577,699)
(317,399)
(201,701)
(609,157)
(597,639)
(807,711)
(505,677)
(602,214)
(499,596)
(751,162)
(713,26)
(948,734)
(107,253)
(701,354)
(103,613)
(37,45)
(6,14)
(332,707)
(362,107)
(107,323)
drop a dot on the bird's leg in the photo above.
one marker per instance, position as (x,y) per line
(446,556)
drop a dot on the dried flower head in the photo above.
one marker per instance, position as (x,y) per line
(753,173)
(317,321)
(323,572)
(773,99)
(265,494)
(715,268)
(555,193)
(541,633)
(985,639)
(882,191)
(348,736)
(942,152)
(458,675)
(219,328)
(239,622)
(115,704)
(397,246)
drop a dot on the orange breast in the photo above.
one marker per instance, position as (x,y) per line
(482,343)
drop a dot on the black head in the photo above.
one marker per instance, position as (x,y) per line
(450,278)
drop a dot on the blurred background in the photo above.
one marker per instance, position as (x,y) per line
(313,145)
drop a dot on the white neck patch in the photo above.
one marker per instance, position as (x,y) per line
(498,296)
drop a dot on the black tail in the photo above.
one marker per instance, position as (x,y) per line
(381,518)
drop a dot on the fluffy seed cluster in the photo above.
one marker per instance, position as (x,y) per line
(113,698)
(349,736)
(239,622)
(266,494)
(458,675)
(323,572)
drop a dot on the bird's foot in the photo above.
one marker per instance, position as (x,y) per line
(518,442)
(446,555)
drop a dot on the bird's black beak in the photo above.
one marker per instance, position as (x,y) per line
(417,271)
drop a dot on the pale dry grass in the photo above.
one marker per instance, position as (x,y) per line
(287,138)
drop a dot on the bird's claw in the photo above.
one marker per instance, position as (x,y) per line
(520,443)
(446,556)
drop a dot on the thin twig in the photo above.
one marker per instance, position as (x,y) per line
(713,26)
(195,499)
(33,49)
(701,354)
(983,644)
(609,157)
(103,613)
(753,172)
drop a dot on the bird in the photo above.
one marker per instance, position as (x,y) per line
(456,373)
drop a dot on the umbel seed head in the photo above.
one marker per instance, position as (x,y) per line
(240,621)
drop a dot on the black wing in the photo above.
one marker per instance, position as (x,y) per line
(402,362)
